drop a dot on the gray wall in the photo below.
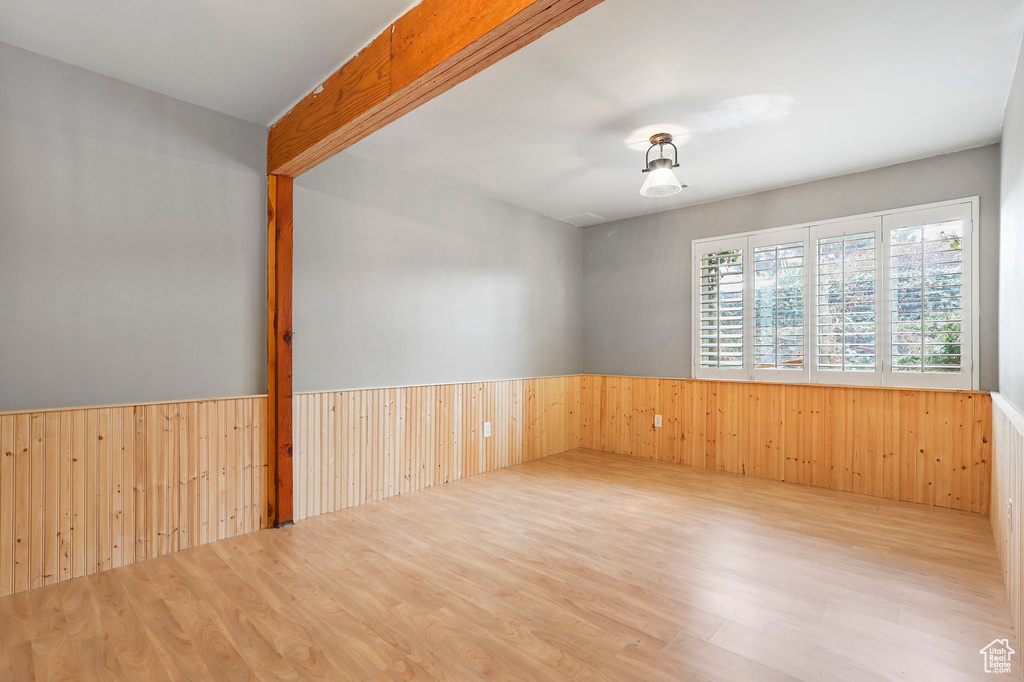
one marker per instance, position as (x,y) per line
(132,258)
(1011,271)
(401,280)
(636,272)
(132,242)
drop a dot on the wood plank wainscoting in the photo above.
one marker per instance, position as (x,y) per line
(1007,499)
(926,446)
(353,447)
(87,489)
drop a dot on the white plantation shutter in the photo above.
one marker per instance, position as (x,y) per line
(885,300)
(929,279)
(720,281)
(847,263)
(778,285)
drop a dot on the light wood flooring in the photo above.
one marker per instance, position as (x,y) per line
(580,566)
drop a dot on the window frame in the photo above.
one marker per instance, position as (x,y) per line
(723,244)
(754,241)
(968,280)
(812,231)
(841,229)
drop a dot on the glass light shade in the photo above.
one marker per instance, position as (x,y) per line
(661,182)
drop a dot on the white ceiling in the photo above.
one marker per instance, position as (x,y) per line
(774,92)
(249,58)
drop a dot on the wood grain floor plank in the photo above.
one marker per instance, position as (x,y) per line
(579,566)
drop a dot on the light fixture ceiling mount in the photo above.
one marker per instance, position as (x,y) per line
(661,182)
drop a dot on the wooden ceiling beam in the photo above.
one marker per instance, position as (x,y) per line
(431,48)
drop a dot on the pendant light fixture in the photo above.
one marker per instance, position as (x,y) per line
(661,182)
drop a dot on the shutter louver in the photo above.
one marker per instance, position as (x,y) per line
(779,306)
(926,280)
(846,296)
(721,314)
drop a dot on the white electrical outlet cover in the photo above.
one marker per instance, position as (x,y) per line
(487,429)
(657,421)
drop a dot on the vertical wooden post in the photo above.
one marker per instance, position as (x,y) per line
(279,349)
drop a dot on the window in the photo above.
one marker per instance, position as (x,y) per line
(929,326)
(846,319)
(779,299)
(884,299)
(721,307)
